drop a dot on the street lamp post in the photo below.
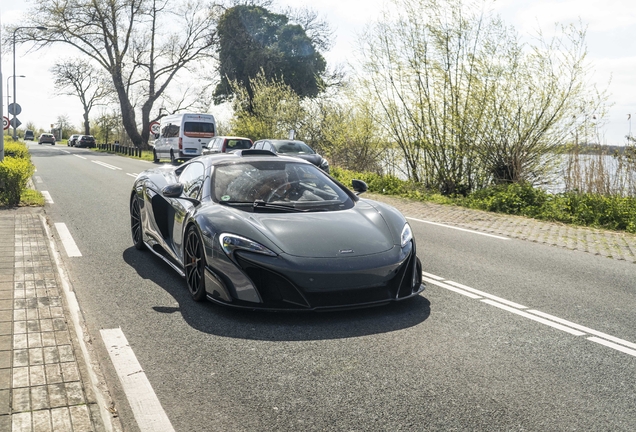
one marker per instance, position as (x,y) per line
(8,78)
(15,136)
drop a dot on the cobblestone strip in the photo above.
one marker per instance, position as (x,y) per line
(609,244)
(40,383)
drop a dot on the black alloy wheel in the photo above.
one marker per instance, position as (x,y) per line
(194,260)
(135,225)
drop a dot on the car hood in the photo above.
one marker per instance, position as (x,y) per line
(355,232)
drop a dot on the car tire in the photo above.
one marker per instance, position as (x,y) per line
(155,159)
(194,264)
(136,227)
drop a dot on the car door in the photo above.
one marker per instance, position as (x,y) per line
(192,178)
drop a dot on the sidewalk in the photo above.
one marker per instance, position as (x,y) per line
(610,244)
(43,381)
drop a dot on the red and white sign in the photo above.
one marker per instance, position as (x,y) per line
(5,123)
(154,128)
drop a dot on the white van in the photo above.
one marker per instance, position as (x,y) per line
(182,136)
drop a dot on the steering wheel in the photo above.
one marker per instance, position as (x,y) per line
(274,193)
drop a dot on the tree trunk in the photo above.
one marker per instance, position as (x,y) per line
(127,112)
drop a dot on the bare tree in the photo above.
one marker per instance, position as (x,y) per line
(81,79)
(142,44)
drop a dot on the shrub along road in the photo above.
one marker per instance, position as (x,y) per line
(509,334)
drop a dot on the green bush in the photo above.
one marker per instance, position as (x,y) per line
(16,150)
(14,175)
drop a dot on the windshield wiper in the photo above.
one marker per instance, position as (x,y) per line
(263,204)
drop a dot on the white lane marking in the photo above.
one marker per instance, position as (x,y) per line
(47,197)
(490,296)
(450,288)
(532,314)
(38,179)
(459,229)
(143,401)
(432,276)
(106,165)
(67,240)
(585,329)
(534,318)
(66,151)
(613,345)
(78,156)
(132,174)
(92,367)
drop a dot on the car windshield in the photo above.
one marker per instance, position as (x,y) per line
(296,147)
(277,186)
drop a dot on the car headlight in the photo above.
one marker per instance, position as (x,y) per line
(231,242)
(407,235)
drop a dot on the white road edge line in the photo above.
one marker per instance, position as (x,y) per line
(132,175)
(585,329)
(38,179)
(143,400)
(78,156)
(67,240)
(432,276)
(47,197)
(74,310)
(613,345)
(483,294)
(534,318)
(459,229)
(450,288)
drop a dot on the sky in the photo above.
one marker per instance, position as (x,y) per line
(611,41)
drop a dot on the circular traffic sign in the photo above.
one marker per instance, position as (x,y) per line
(14,109)
(5,123)
(154,128)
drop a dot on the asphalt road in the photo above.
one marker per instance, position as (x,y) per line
(443,361)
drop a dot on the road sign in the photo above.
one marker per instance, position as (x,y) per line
(5,123)
(154,128)
(15,123)
(18,109)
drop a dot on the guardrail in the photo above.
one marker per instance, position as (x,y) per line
(117,148)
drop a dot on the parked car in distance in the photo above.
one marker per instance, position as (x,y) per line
(28,135)
(72,140)
(225,144)
(86,141)
(293,148)
(46,138)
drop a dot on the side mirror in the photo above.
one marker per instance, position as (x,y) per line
(173,190)
(359,186)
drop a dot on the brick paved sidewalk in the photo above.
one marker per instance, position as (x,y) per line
(43,383)
(609,244)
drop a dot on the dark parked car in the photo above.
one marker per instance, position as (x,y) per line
(224,144)
(254,230)
(46,138)
(72,140)
(28,135)
(293,148)
(85,141)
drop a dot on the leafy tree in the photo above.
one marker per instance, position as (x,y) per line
(79,78)
(253,40)
(466,102)
(270,111)
(142,44)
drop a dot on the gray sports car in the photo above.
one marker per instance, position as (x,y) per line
(255,230)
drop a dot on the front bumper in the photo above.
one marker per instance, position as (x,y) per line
(291,283)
